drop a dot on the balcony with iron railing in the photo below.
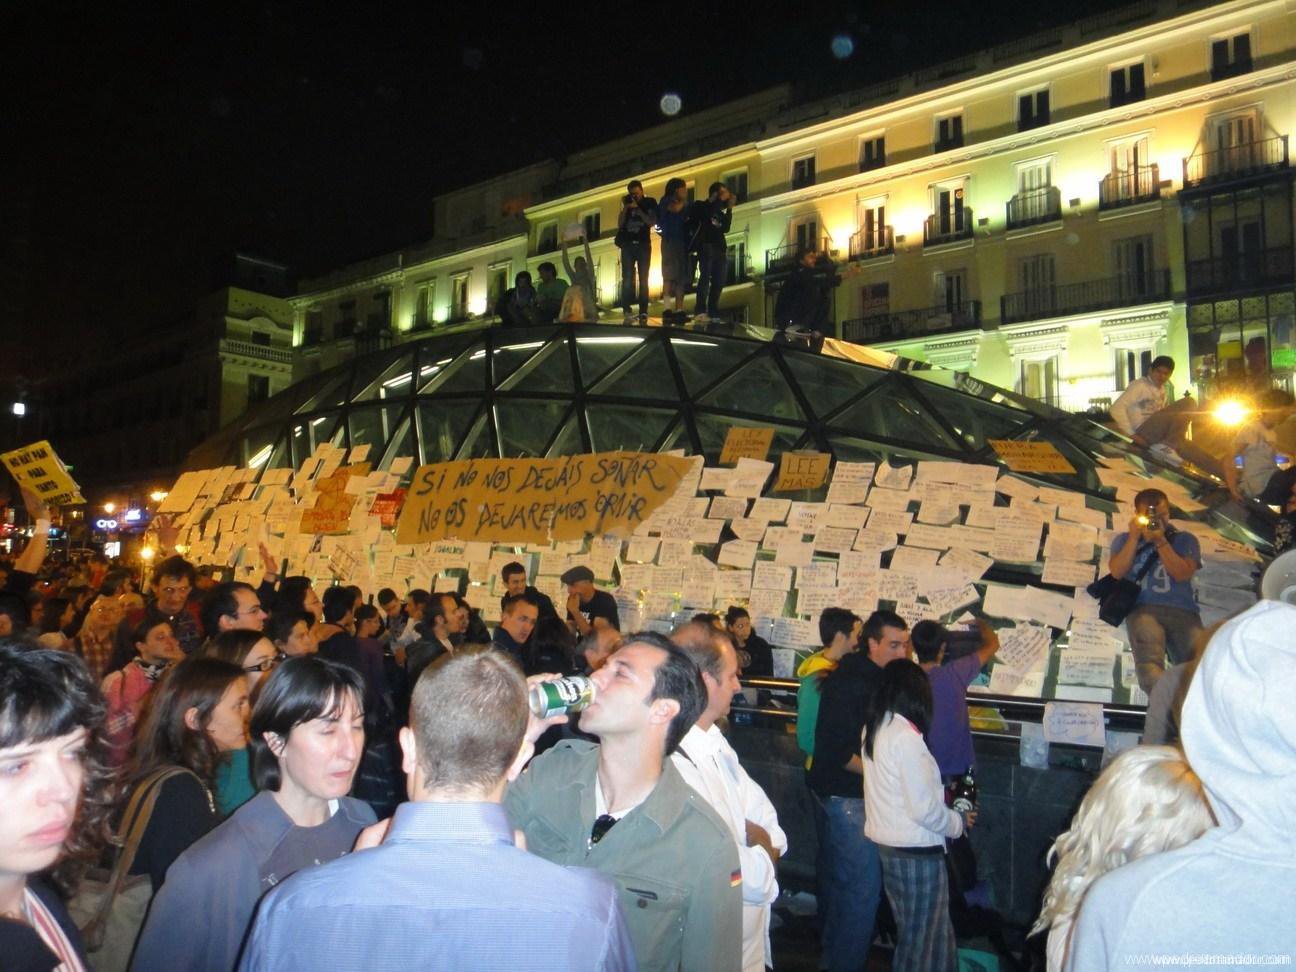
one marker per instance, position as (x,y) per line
(898,325)
(1128,187)
(1239,272)
(248,349)
(871,241)
(783,258)
(1235,163)
(1059,300)
(948,226)
(1034,207)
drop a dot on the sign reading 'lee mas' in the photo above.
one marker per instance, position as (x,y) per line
(536,500)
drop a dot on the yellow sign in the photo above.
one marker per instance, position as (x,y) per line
(333,505)
(535,500)
(745,443)
(38,468)
(1037,457)
(802,470)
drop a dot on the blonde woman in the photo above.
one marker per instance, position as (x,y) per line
(1148,800)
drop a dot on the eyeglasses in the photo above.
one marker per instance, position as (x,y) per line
(265,665)
(602,825)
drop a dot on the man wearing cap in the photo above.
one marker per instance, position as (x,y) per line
(588,608)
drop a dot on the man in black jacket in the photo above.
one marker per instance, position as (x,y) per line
(708,221)
(634,239)
(802,307)
(850,871)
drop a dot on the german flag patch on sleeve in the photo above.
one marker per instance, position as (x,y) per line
(735,878)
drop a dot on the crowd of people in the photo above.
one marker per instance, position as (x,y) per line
(205,775)
(693,249)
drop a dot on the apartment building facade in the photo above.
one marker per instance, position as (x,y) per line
(1047,215)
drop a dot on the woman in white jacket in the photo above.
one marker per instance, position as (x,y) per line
(906,816)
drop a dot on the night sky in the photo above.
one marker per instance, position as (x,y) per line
(149,143)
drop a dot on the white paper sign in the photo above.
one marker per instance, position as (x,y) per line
(1077,723)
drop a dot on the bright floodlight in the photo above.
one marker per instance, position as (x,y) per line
(19,408)
(1230,412)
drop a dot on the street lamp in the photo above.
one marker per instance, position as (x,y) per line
(109,508)
(158,495)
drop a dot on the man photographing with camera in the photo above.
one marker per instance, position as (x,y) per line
(634,224)
(1165,616)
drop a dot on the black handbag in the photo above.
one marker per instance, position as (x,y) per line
(1116,597)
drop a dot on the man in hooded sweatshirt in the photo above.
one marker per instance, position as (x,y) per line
(1228,894)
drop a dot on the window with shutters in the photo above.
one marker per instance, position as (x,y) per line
(1131,364)
(874,234)
(949,132)
(950,289)
(1230,56)
(737,183)
(1037,284)
(1032,110)
(872,152)
(803,172)
(547,237)
(459,297)
(592,221)
(1133,268)
(1038,379)
(1127,85)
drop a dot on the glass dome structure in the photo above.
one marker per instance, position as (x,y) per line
(577,388)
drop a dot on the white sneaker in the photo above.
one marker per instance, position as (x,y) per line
(1166,454)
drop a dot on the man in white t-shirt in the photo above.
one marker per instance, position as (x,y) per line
(1144,397)
(709,765)
(1256,445)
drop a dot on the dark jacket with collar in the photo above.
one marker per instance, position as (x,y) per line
(21,946)
(200,917)
(672,858)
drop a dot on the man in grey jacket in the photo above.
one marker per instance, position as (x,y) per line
(623,809)
(1227,895)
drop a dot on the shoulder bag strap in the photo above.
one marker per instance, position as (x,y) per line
(134,823)
(1147,565)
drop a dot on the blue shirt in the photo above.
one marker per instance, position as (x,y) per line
(949,739)
(1158,586)
(447,889)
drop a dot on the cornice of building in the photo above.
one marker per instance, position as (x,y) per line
(1083,124)
(954,95)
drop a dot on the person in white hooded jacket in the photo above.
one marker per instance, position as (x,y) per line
(1224,899)
(906,816)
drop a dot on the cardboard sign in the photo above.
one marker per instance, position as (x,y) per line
(1039,457)
(802,470)
(535,500)
(387,506)
(332,511)
(745,443)
(38,468)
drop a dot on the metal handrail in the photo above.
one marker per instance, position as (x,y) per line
(912,323)
(960,226)
(1129,186)
(1043,205)
(1120,291)
(1235,162)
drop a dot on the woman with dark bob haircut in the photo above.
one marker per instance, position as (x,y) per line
(56,800)
(307,737)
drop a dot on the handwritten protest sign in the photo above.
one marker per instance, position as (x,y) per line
(1078,723)
(802,470)
(38,468)
(388,507)
(534,500)
(332,511)
(745,443)
(1039,457)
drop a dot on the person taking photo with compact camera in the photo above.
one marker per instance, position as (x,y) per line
(1162,560)
(634,239)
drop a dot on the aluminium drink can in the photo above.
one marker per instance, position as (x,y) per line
(561,696)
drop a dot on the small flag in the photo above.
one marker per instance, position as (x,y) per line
(735,878)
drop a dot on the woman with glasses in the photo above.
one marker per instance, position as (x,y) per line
(56,800)
(308,734)
(257,656)
(156,648)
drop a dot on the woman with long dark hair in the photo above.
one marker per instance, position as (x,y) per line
(196,712)
(56,797)
(906,816)
(307,737)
